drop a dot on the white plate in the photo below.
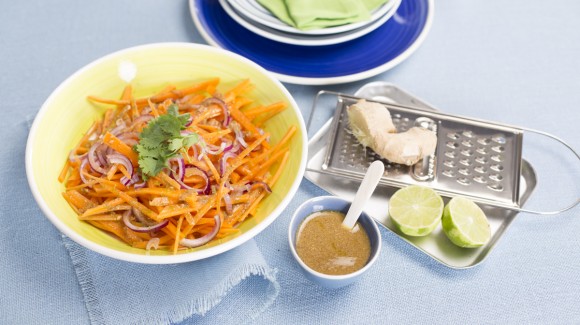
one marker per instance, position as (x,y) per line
(252,10)
(305,40)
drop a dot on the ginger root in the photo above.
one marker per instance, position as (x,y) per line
(373,127)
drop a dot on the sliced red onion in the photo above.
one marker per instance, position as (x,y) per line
(194,148)
(262,184)
(141,217)
(224,160)
(155,227)
(180,172)
(228,202)
(201,151)
(84,163)
(140,185)
(222,105)
(72,157)
(146,111)
(204,239)
(205,176)
(235,148)
(125,181)
(182,184)
(117,158)
(101,152)
(241,188)
(119,128)
(134,180)
(189,120)
(152,243)
(145,118)
(93,159)
(240,137)
(215,150)
(128,135)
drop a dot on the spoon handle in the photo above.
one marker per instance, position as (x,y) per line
(366,189)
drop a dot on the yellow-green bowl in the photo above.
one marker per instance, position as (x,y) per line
(67,114)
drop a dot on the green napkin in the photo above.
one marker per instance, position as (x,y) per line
(316,14)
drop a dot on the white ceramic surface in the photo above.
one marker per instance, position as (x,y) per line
(252,10)
(305,40)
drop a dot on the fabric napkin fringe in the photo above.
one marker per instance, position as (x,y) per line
(204,305)
(84,277)
(200,306)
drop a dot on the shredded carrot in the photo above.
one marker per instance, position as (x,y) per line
(114,143)
(251,113)
(183,199)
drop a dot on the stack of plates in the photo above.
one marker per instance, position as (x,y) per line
(317,57)
(254,17)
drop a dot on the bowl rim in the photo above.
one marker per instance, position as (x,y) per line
(162,259)
(329,277)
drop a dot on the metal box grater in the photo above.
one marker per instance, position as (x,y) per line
(477,159)
(473,158)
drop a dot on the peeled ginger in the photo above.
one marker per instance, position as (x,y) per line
(373,127)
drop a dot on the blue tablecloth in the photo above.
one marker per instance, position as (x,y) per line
(516,62)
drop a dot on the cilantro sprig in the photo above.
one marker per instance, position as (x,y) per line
(161,140)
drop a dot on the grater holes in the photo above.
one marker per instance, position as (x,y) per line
(465,162)
(425,123)
(467,134)
(480,179)
(448,173)
(497,158)
(498,148)
(464,171)
(467,152)
(495,187)
(499,138)
(481,160)
(449,163)
(495,177)
(463,181)
(467,143)
(496,167)
(452,145)
(480,169)
(453,136)
(450,154)
(484,141)
(481,151)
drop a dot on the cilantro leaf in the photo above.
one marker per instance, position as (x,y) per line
(161,139)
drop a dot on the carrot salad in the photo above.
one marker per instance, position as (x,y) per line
(177,169)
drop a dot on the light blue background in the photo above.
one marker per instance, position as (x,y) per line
(516,61)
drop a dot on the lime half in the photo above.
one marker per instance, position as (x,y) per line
(465,223)
(416,210)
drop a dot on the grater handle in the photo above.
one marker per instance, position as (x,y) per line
(314,107)
(572,205)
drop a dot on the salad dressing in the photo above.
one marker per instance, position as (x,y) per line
(326,246)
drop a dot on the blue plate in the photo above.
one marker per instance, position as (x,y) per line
(354,60)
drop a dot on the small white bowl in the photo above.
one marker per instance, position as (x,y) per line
(336,204)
